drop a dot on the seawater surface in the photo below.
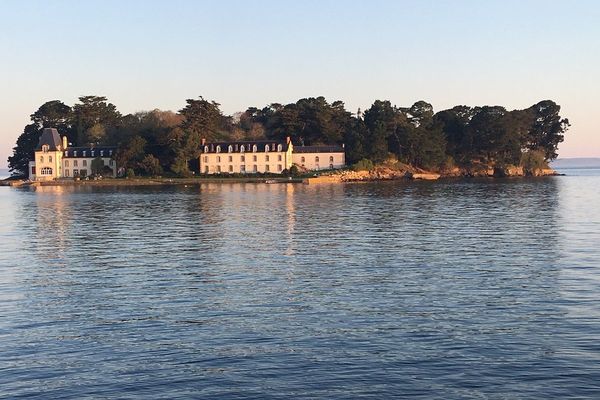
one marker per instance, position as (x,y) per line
(466,289)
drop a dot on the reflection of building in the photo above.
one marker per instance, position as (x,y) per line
(55,159)
(269,156)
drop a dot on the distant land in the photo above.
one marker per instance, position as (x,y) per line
(576,163)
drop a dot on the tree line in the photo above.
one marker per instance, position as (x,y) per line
(156,142)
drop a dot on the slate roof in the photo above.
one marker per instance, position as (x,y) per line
(318,149)
(50,137)
(108,151)
(248,145)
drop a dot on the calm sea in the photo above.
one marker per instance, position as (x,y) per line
(466,289)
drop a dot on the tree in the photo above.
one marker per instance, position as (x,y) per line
(92,117)
(547,128)
(150,165)
(131,153)
(203,119)
(23,152)
(97,166)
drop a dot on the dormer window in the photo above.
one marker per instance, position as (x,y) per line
(279,147)
(110,152)
(45,148)
(230,149)
(242,149)
(74,153)
(218,149)
(266,148)
(84,153)
(206,149)
(254,149)
(66,153)
(92,153)
(101,153)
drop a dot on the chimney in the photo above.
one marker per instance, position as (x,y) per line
(288,139)
(203,141)
(65,144)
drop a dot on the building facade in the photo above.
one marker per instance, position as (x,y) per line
(264,156)
(54,159)
(316,158)
(267,156)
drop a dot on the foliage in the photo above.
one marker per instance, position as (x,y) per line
(97,166)
(130,173)
(534,159)
(363,165)
(294,170)
(151,166)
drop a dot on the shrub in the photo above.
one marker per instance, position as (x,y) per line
(294,170)
(130,173)
(363,165)
(533,159)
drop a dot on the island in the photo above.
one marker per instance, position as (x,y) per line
(92,139)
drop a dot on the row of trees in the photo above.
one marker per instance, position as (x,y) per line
(158,141)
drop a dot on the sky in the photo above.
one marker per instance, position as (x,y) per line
(147,54)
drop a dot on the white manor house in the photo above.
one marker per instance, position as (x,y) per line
(267,156)
(54,159)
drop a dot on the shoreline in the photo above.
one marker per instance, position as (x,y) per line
(378,174)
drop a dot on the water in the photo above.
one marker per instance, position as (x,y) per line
(437,290)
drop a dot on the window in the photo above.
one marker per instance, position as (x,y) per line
(92,153)
(231,168)
(230,158)
(45,148)
(266,158)
(242,168)
(101,153)
(206,149)
(279,157)
(41,159)
(230,149)
(66,163)
(317,159)
(66,153)
(331,159)
(255,168)
(218,168)
(279,168)
(243,158)
(84,163)
(75,153)
(218,149)
(110,152)
(67,173)
(206,169)
(46,171)
(242,149)
(84,153)
(266,148)
(303,160)
(111,162)
(49,158)
(33,170)
(218,158)
(75,163)
(83,172)
(267,168)
(254,158)
(331,166)
(206,159)
(279,148)
(254,149)
(75,172)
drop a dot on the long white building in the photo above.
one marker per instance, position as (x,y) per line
(267,156)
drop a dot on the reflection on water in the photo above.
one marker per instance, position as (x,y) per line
(460,289)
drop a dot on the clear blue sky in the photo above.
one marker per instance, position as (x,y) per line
(155,54)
